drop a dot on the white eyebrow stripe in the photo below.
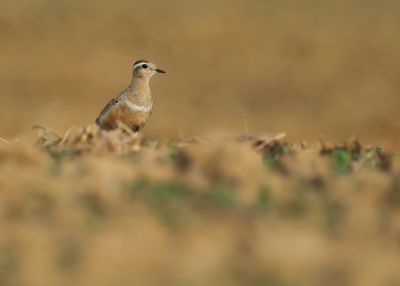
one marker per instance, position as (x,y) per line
(141,108)
(139,64)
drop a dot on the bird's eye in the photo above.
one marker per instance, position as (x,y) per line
(144,66)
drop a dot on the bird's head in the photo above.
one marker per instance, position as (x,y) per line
(145,69)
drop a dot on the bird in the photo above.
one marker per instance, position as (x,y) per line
(133,106)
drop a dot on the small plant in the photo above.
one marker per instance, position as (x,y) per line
(342,160)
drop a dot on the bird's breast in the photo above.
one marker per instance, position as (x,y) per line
(132,115)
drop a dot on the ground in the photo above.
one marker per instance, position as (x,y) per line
(97,208)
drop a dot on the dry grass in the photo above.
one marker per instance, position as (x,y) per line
(95,208)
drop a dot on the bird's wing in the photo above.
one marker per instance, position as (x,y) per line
(113,102)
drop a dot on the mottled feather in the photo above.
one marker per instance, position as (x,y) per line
(110,105)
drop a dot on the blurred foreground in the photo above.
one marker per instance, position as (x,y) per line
(95,208)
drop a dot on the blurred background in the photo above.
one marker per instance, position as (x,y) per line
(313,69)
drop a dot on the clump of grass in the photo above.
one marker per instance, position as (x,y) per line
(343,155)
(271,149)
(352,147)
(47,138)
(352,151)
(90,139)
(272,155)
(376,157)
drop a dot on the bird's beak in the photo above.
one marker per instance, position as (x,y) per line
(160,71)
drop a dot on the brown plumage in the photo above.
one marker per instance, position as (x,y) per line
(133,106)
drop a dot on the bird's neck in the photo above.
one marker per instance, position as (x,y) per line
(140,91)
(140,85)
